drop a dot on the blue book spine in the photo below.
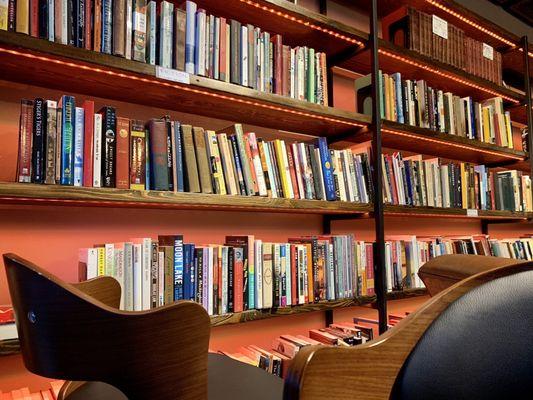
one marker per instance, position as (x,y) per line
(186,271)
(68,115)
(179,157)
(107,26)
(178,268)
(399,102)
(51,16)
(79,130)
(409,186)
(472,118)
(190,36)
(327,168)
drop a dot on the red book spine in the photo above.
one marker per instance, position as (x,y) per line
(238,286)
(250,158)
(222,73)
(294,182)
(294,275)
(25,140)
(88,24)
(97,25)
(34,18)
(278,64)
(394,190)
(123,153)
(370,270)
(88,157)
(286,65)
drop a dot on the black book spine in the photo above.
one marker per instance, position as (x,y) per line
(43,19)
(310,150)
(71,22)
(39,124)
(11,14)
(79,23)
(235,48)
(109,129)
(231,269)
(199,275)
(245,281)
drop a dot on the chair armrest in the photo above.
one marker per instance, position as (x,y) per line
(103,288)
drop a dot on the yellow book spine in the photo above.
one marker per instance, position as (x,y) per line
(135,158)
(387,95)
(486,125)
(509,130)
(22,19)
(282,169)
(3,14)
(101,261)
(464,193)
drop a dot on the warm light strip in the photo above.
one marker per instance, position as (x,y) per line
(179,87)
(446,75)
(438,215)
(529,53)
(452,144)
(302,22)
(470,22)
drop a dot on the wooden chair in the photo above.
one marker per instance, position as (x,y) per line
(473,340)
(76,332)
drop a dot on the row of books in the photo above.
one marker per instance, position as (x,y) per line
(277,359)
(24,393)
(184,38)
(434,37)
(414,103)
(244,273)
(415,181)
(70,145)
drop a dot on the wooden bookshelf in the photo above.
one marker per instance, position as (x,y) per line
(413,65)
(22,193)
(39,62)
(254,315)
(458,213)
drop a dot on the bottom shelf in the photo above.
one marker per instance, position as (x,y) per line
(253,315)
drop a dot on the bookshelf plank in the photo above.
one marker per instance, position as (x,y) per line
(435,212)
(35,61)
(413,65)
(17,193)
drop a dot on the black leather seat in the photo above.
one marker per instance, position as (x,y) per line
(228,380)
(480,347)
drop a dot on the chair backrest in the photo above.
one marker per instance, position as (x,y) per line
(467,329)
(68,334)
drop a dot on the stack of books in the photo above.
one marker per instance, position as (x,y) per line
(24,393)
(434,37)
(186,39)
(414,103)
(61,143)
(242,274)
(277,359)
(414,181)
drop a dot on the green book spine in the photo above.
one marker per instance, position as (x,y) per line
(311,76)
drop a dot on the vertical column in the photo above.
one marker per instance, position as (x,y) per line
(379,246)
(529,113)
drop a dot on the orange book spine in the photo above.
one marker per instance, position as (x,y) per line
(97,25)
(123,153)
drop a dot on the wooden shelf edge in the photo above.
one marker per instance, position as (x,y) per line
(435,212)
(27,193)
(255,315)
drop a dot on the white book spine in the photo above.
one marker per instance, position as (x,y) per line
(200,43)
(92,263)
(161,278)
(129,29)
(109,259)
(216,61)
(256,160)
(152,33)
(137,277)
(268,275)
(146,265)
(119,274)
(224,280)
(244,56)
(128,276)
(258,267)
(64,22)
(97,155)
(288,273)
(51,17)
(190,35)
(210,303)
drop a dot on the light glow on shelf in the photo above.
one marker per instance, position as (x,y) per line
(183,87)
(302,22)
(446,75)
(452,144)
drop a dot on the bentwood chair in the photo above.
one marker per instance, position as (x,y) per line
(76,332)
(473,340)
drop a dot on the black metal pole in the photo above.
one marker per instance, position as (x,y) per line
(529,112)
(323,6)
(380,286)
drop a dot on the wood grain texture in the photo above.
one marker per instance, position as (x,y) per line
(368,372)
(35,61)
(17,193)
(102,288)
(160,353)
(484,89)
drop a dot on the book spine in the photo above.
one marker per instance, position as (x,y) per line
(97,26)
(123,153)
(190,34)
(151,33)
(25,142)
(88,155)
(178,268)
(79,146)
(118,21)
(169,125)
(158,142)
(51,137)
(128,29)
(179,162)
(88,26)
(327,169)
(109,146)
(139,31)
(79,30)
(97,151)
(67,140)
(137,156)
(38,142)
(107,26)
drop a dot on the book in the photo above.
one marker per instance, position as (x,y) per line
(88,144)
(79,131)
(139,37)
(123,153)
(68,118)
(39,140)
(202,160)
(158,142)
(109,147)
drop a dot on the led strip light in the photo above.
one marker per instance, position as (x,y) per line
(178,87)
(302,22)
(430,214)
(452,144)
(446,75)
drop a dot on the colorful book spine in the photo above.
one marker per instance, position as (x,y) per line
(97,151)
(39,141)
(68,117)
(139,31)
(138,156)
(123,153)
(109,146)
(51,144)
(25,139)
(107,26)
(327,169)
(79,131)
(88,154)
(190,37)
